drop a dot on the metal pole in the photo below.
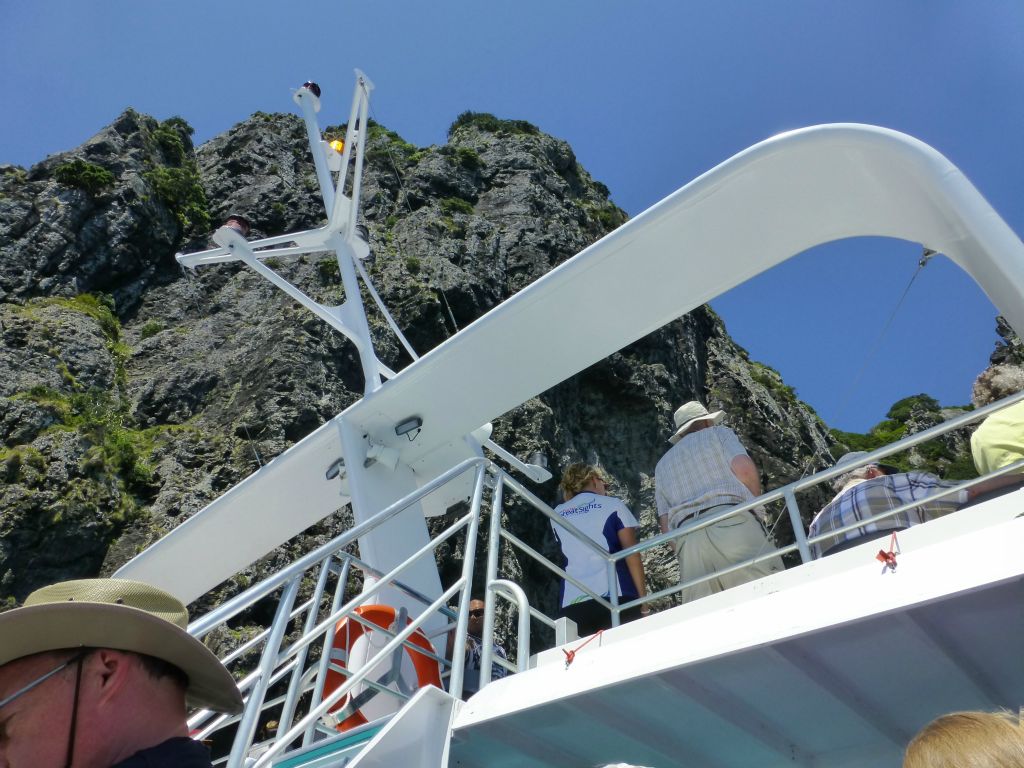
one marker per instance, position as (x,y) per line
(307,100)
(355,314)
(459,649)
(511,590)
(291,697)
(325,656)
(613,592)
(493,553)
(798,526)
(247,726)
(336,212)
(364,85)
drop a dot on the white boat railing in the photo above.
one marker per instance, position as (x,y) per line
(785,493)
(284,661)
(279,660)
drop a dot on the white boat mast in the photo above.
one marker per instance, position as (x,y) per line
(339,235)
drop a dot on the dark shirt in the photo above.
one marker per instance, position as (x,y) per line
(179,752)
(471,672)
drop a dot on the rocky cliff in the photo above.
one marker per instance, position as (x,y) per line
(132,393)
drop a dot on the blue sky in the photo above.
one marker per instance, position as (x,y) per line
(650,94)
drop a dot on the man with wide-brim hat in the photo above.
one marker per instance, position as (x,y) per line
(691,415)
(705,473)
(96,673)
(870,489)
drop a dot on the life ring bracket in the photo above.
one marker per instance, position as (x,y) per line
(363,621)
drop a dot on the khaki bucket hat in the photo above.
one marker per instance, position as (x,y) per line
(122,615)
(687,414)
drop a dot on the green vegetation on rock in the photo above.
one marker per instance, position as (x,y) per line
(118,450)
(608,215)
(83,175)
(14,173)
(99,307)
(180,189)
(169,138)
(907,416)
(151,328)
(98,415)
(452,205)
(22,464)
(468,158)
(383,144)
(485,121)
(771,380)
(178,185)
(904,409)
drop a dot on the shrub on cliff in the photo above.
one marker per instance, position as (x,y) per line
(83,175)
(182,192)
(485,121)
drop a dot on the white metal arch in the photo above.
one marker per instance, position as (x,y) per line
(750,213)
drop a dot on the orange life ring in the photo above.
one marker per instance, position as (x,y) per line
(346,633)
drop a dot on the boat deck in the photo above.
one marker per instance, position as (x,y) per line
(752,677)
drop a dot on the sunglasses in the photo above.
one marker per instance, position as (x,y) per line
(40,680)
(475,612)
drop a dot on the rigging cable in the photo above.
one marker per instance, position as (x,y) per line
(252,444)
(926,256)
(845,401)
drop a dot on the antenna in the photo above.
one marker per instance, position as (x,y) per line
(340,235)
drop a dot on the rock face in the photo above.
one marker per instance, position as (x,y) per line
(133,394)
(102,218)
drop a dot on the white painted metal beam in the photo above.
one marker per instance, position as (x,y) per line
(754,211)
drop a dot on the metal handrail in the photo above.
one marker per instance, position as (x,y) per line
(276,662)
(1009,469)
(514,594)
(804,483)
(346,611)
(395,643)
(343,690)
(786,493)
(549,513)
(557,570)
(249,597)
(466,581)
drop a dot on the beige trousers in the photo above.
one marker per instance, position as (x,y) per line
(718,546)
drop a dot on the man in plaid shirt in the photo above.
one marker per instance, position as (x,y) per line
(705,472)
(877,488)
